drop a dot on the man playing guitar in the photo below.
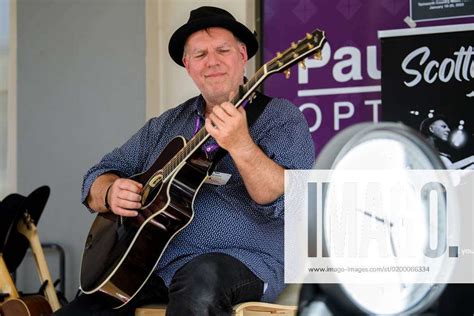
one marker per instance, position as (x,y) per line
(232,251)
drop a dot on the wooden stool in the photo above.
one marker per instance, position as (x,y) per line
(289,297)
(243,309)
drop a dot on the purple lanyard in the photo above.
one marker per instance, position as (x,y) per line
(208,149)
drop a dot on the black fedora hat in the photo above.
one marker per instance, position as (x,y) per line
(204,17)
(13,245)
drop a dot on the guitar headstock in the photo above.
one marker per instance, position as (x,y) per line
(311,44)
(26,226)
(28,221)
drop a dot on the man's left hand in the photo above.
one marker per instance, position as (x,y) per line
(228,126)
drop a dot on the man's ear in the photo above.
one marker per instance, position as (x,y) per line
(431,128)
(185,63)
(243,52)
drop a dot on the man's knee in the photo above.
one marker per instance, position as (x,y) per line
(198,287)
(200,277)
(197,298)
(207,270)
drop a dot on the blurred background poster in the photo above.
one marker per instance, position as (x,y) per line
(427,83)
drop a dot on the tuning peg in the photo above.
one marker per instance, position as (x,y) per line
(293,45)
(302,65)
(310,46)
(318,55)
(279,55)
(309,36)
(287,73)
(27,220)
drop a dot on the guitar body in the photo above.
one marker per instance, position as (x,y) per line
(34,305)
(121,253)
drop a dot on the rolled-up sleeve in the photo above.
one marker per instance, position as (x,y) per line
(287,141)
(125,161)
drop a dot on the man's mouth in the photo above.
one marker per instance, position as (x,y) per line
(214,75)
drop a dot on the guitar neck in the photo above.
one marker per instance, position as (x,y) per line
(30,232)
(6,282)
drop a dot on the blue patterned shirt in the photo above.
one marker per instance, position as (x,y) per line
(226,219)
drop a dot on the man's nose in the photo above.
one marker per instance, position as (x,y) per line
(212,59)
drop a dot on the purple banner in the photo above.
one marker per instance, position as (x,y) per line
(344,87)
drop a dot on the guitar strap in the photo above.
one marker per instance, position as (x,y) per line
(253,111)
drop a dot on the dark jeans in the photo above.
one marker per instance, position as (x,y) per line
(457,299)
(209,284)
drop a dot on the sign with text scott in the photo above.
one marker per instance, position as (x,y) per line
(440,9)
(379,226)
(344,87)
(428,76)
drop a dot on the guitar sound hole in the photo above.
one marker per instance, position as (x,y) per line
(150,193)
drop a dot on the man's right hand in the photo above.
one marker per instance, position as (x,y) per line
(124,197)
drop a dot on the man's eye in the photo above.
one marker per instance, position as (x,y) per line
(200,55)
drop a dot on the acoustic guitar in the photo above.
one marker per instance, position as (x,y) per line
(14,305)
(32,305)
(27,227)
(22,222)
(121,253)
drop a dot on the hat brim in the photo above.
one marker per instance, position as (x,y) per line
(179,37)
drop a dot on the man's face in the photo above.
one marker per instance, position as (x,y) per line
(440,129)
(215,60)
